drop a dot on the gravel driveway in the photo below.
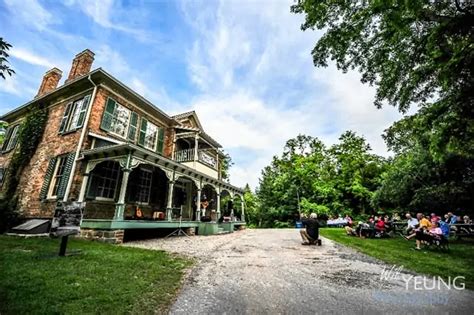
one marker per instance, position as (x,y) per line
(269,272)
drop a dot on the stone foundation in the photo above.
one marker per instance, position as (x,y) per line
(106,236)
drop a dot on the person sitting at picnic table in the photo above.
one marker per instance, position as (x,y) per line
(428,235)
(453,219)
(466,220)
(412,224)
(424,224)
(310,233)
(467,226)
(348,220)
(434,217)
(380,227)
(395,217)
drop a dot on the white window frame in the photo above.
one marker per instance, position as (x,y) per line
(154,142)
(101,198)
(74,116)
(54,178)
(114,119)
(140,185)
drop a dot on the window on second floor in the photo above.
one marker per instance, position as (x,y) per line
(74,115)
(151,137)
(122,122)
(119,120)
(11,138)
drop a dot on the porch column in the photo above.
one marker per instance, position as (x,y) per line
(196,144)
(170,200)
(218,207)
(198,206)
(242,203)
(120,207)
(82,193)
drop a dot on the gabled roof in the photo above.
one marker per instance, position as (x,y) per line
(192,114)
(180,117)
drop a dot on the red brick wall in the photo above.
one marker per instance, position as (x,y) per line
(52,144)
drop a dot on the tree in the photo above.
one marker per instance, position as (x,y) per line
(309,177)
(226,164)
(4,64)
(415,53)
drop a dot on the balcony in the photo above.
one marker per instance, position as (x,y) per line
(207,162)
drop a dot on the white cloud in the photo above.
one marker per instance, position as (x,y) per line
(12,85)
(31,57)
(31,13)
(259,87)
(109,14)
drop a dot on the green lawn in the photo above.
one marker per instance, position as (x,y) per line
(106,279)
(459,261)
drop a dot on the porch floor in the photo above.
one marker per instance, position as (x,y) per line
(104,224)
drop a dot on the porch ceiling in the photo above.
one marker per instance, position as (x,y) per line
(122,150)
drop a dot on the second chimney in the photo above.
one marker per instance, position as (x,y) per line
(50,81)
(81,64)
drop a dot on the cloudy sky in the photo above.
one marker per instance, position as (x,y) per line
(243,65)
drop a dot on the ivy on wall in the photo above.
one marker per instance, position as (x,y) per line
(30,134)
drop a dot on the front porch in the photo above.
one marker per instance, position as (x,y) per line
(127,187)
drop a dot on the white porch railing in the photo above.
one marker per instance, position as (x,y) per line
(203,157)
(184,155)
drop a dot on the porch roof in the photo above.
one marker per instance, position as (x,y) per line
(155,159)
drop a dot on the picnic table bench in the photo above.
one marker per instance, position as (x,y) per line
(459,230)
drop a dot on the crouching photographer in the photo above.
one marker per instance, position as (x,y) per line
(310,232)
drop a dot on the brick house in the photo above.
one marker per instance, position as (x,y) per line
(133,165)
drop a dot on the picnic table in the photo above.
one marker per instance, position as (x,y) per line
(399,225)
(459,230)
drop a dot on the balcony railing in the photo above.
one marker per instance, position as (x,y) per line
(184,155)
(203,157)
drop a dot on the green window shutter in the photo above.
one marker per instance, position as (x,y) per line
(141,137)
(108,116)
(47,178)
(14,136)
(82,114)
(64,121)
(66,174)
(7,138)
(161,140)
(132,129)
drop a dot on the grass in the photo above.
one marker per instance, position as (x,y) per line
(103,278)
(459,261)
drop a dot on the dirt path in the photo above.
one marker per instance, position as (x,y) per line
(269,272)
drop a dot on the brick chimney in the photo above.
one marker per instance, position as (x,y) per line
(50,81)
(81,64)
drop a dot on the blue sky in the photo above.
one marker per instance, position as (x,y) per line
(244,66)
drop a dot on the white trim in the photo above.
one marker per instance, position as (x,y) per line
(95,135)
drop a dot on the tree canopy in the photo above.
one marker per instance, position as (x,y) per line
(419,57)
(4,64)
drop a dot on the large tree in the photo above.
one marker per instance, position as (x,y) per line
(4,64)
(415,53)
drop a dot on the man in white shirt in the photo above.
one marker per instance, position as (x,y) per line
(411,223)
